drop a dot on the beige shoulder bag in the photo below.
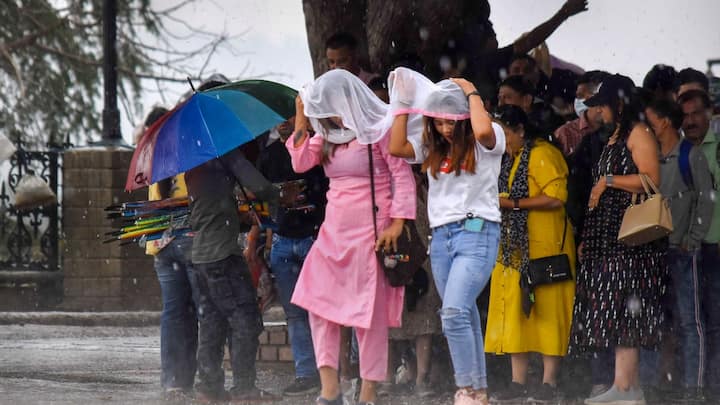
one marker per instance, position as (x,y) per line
(648,219)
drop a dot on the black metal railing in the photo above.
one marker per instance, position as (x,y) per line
(29,239)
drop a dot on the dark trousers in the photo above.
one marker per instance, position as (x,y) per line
(710,264)
(228,309)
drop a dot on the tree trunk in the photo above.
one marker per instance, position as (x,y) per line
(391,31)
(323,18)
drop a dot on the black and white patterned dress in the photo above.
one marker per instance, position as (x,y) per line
(619,288)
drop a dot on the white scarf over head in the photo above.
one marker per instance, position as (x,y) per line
(414,94)
(339,93)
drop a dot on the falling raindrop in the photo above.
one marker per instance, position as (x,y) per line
(198,143)
(633,306)
(176,266)
(503,73)
(699,221)
(445,63)
(135,281)
(424,33)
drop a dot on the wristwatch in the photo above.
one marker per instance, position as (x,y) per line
(609,180)
(473,93)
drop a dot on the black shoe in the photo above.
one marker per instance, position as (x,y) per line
(302,386)
(253,395)
(177,396)
(514,394)
(211,397)
(692,395)
(546,394)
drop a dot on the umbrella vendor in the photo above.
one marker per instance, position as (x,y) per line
(227,299)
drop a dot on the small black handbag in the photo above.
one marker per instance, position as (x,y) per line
(550,269)
(399,267)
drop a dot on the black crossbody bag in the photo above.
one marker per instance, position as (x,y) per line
(550,269)
(400,266)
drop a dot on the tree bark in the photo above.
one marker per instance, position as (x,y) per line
(323,18)
(389,31)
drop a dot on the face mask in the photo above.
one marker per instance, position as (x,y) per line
(341,136)
(580,106)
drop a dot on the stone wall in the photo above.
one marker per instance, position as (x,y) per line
(99,276)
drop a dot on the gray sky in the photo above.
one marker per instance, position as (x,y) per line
(626,36)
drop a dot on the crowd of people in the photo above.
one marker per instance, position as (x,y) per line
(514,165)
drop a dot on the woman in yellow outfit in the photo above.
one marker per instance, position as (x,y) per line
(532,195)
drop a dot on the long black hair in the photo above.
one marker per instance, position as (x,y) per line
(515,117)
(627,111)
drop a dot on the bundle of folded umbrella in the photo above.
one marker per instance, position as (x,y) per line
(142,221)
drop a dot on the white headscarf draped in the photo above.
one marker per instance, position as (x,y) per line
(339,93)
(414,94)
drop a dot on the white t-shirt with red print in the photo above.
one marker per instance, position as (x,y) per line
(454,197)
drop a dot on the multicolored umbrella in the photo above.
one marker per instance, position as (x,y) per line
(206,126)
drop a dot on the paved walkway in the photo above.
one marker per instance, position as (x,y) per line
(56,364)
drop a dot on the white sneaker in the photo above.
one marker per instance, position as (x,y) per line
(614,396)
(598,389)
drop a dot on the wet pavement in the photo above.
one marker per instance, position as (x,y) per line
(87,365)
(54,364)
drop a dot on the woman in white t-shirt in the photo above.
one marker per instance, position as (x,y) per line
(461,149)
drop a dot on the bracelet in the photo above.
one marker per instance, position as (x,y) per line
(473,93)
(516,204)
(609,180)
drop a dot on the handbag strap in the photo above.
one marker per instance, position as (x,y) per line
(648,185)
(565,219)
(372,189)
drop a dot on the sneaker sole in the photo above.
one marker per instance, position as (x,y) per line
(313,390)
(543,401)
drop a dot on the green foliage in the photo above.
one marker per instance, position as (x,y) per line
(51,65)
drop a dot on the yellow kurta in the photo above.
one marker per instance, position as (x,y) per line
(547,330)
(179,189)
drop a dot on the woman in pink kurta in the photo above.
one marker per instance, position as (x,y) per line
(341,282)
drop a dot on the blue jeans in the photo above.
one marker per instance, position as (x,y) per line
(286,260)
(178,322)
(462,262)
(687,305)
(710,265)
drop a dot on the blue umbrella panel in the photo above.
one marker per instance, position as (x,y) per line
(209,125)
